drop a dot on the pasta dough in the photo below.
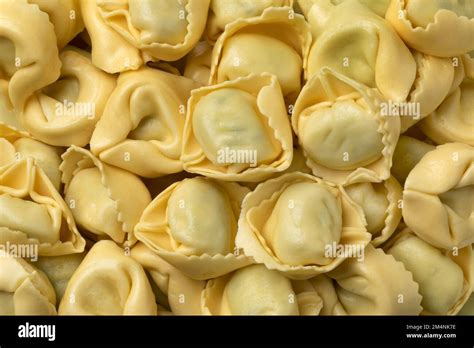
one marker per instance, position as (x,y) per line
(142,124)
(444,277)
(138,31)
(441,188)
(288,224)
(24,290)
(341,130)
(284,36)
(105,201)
(177,227)
(252,139)
(108,282)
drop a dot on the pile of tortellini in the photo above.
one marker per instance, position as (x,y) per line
(236,157)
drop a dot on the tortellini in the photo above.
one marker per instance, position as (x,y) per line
(24,290)
(66,112)
(295,222)
(444,277)
(143,121)
(359,285)
(240,293)
(59,270)
(177,227)
(438,197)
(177,293)
(33,213)
(108,282)
(453,120)
(223,12)
(106,201)
(238,130)
(341,130)
(408,153)
(139,31)
(440,28)
(17,145)
(261,44)
(363,47)
(66,17)
(381,205)
(29,57)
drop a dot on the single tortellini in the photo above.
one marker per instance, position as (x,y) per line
(381,203)
(108,282)
(318,12)
(438,197)
(143,121)
(24,290)
(33,213)
(106,201)
(223,12)
(453,120)
(435,79)
(379,285)
(28,52)
(66,112)
(295,223)
(444,276)
(362,46)
(59,270)
(341,129)
(176,225)
(256,290)
(408,153)
(238,130)
(176,292)
(440,28)
(66,17)
(16,145)
(198,63)
(261,45)
(127,34)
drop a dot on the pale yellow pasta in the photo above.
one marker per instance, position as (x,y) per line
(66,112)
(143,121)
(260,44)
(182,294)
(238,130)
(32,212)
(177,227)
(24,290)
(105,201)
(223,12)
(288,224)
(444,277)
(28,53)
(240,293)
(359,286)
(341,130)
(139,31)
(198,63)
(108,282)
(438,197)
(66,17)
(361,45)
(453,120)
(436,27)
